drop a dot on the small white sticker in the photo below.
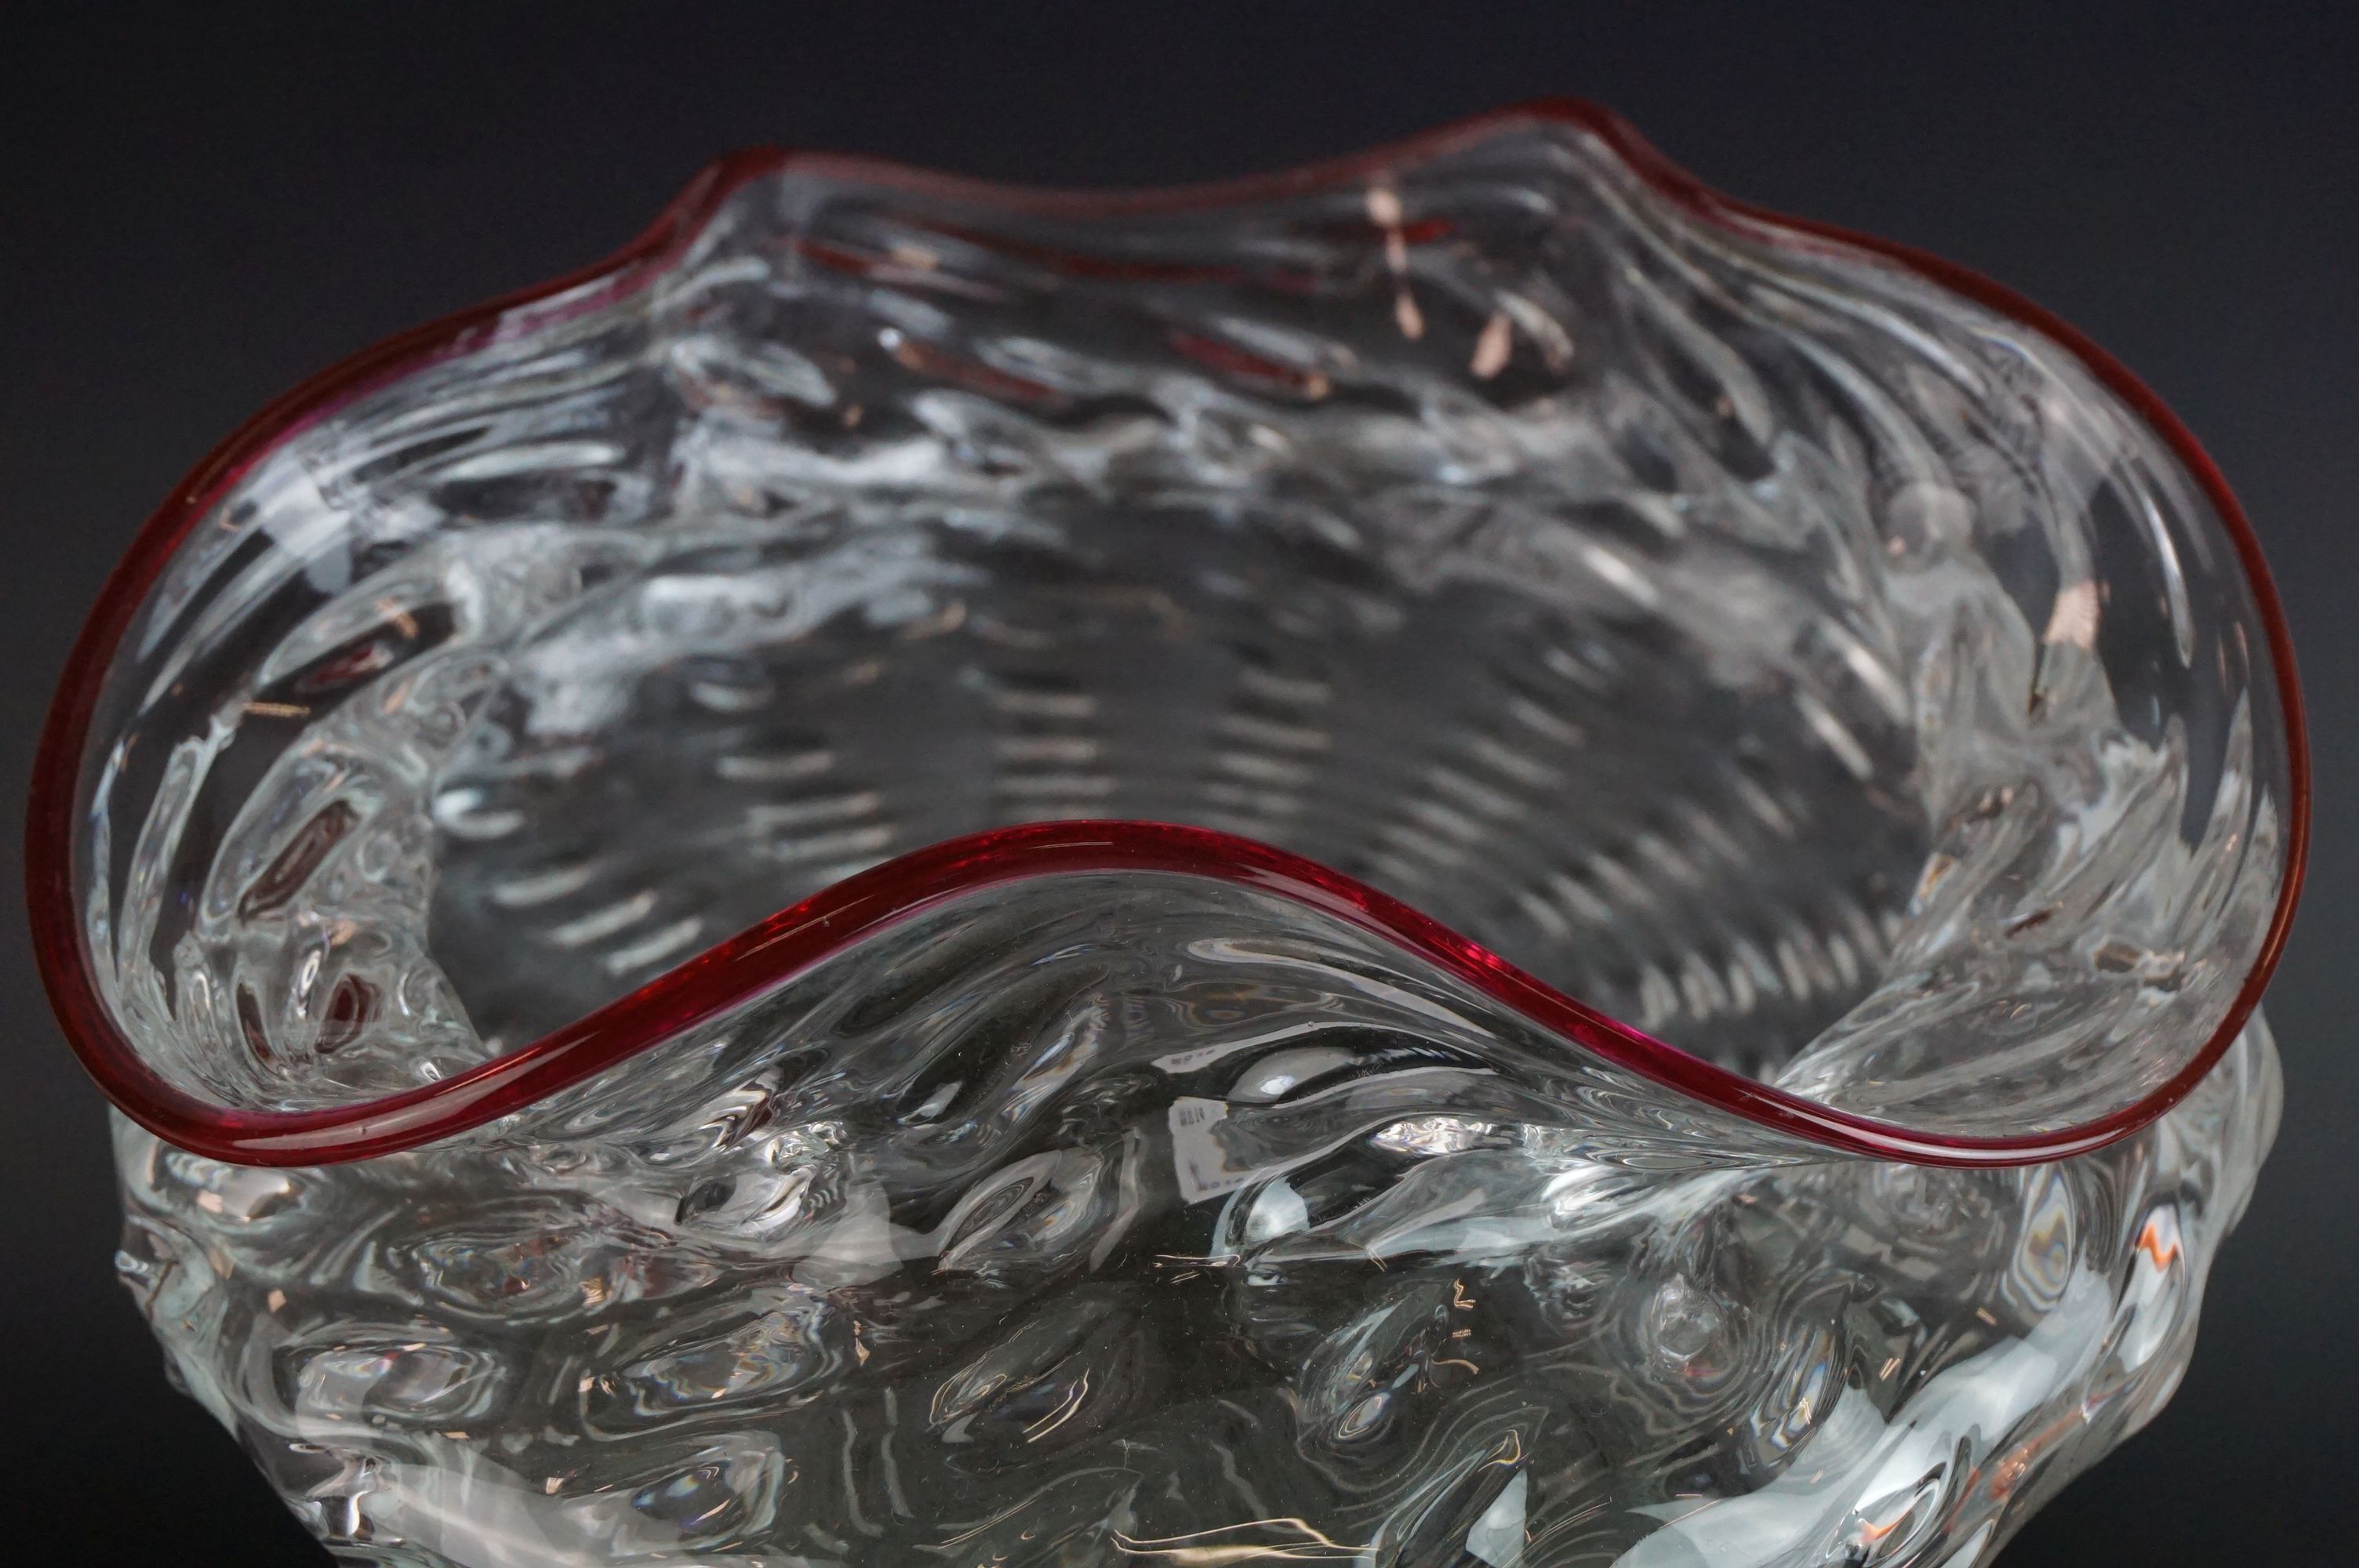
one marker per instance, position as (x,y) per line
(1197,1161)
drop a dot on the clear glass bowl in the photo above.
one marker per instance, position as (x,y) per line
(1463,857)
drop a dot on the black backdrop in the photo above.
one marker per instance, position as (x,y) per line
(196,212)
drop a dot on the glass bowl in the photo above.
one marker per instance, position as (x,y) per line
(1466,856)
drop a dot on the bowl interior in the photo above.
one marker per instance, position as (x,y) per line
(1804,663)
(1631,800)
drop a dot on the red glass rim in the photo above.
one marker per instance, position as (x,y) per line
(794,940)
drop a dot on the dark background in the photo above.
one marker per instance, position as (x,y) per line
(194,214)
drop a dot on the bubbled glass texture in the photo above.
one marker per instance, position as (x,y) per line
(1739,633)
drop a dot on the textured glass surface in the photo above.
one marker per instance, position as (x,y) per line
(1787,656)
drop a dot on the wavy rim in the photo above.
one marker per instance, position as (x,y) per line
(795,939)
